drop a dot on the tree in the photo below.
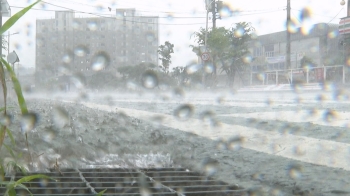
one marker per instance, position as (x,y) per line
(228,48)
(134,73)
(185,79)
(165,52)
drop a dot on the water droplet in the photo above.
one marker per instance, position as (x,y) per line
(28,122)
(239,32)
(44,182)
(292,27)
(221,145)
(92,26)
(221,100)
(150,37)
(209,68)
(227,11)
(67,57)
(81,51)
(235,143)
(48,135)
(269,102)
(100,61)
(247,59)
(184,112)
(305,14)
(191,69)
(209,118)
(60,117)
(210,166)
(295,171)
(329,115)
(149,79)
(5,120)
(170,16)
(78,80)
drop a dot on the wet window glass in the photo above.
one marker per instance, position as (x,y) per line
(199,97)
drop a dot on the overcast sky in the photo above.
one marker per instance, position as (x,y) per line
(180,18)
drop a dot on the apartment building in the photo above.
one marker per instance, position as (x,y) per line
(67,44)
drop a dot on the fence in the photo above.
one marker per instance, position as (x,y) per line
(337,74)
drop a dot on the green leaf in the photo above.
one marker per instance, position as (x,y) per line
(10,151)
(23,169)
(17,86)
(101,193)
(11,21)
(2,172)
(30,178)
(25,188)
(11,192)
(2,134)
(4,87)
(9,132)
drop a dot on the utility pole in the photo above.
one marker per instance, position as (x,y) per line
(288,36)
(1,26)
(213,10)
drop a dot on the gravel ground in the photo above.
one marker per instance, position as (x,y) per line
(78,136)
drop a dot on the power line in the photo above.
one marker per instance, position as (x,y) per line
(170,17)
(147,11)
(175,12)
(315,14)
(336,15)
(109,15)
(116,18)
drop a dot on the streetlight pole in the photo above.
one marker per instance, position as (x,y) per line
(8,41)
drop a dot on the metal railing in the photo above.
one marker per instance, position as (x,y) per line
(301,75)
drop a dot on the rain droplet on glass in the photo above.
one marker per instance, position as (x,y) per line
(184,112)
(149,79)
(60,117)
(100,61)
(28,122)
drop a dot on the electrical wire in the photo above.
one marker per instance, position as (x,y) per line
(336,15)
(314,13)
(175,12)
(169,17)
(140,22)
(238,13)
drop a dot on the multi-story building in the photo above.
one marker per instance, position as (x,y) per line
(68,44)
(320,43)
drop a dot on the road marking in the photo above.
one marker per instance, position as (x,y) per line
(301,148)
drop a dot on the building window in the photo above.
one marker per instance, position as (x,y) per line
(150,20)
(258,51)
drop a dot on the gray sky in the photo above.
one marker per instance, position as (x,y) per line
(180,19)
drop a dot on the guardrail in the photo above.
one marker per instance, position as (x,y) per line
(305,75)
